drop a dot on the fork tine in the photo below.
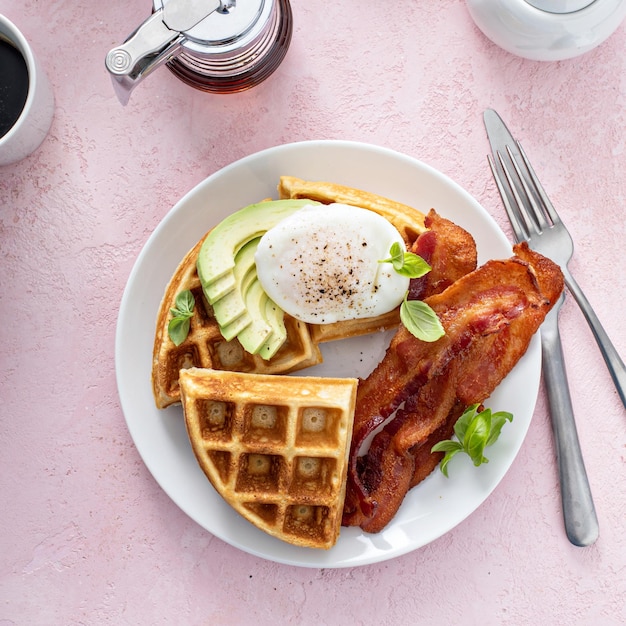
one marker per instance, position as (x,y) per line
(519,228)
(532,193)
(548,206)
(525,199)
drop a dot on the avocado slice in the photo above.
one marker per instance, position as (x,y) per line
(230,331)
(275,317)
(258,332)
(269,312)
(216,259)
(233,328)
(232,306)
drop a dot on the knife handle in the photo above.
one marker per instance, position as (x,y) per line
(579,514)
(612,359)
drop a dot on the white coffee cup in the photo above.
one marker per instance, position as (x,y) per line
(33,123)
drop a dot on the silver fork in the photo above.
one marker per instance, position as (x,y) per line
(534,220)
(538,223)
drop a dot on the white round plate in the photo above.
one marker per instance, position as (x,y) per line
(432,508)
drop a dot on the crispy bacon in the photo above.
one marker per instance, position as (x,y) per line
(449,250)
(489,316)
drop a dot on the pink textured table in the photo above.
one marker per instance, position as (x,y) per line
(88,537)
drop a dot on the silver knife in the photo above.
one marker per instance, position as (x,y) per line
(581,523)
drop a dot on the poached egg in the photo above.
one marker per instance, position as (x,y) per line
(322,264)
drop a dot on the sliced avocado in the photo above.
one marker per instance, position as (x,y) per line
(216,260)
(220,287)
(230,331)
(271,313)
(233,328)
(275,317)
(231,306)
(253,336)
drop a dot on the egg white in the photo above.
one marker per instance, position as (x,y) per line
(321,264)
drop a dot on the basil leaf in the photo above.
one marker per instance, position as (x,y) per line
(178,329)
(477,435)
(420,320)
(406,263)
(185,302)
(447,446)
(475,431)
(460,428)
(498,420)
(413,266)
(446,459)
(397,256)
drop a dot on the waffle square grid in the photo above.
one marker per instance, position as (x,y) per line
(275,447)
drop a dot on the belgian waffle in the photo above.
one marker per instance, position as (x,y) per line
(205,346)
(274,447)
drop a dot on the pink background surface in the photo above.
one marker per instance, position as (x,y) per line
(88,537)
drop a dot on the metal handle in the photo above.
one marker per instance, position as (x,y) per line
(579,514)
(612,359)
(149,39)
(156,41)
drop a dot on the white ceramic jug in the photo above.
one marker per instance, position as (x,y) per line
(547,30)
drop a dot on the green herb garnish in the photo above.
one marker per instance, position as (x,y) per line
(475,431)
(178,327)
(420,320)
(406,263)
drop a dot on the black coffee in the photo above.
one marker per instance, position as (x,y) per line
(13,85)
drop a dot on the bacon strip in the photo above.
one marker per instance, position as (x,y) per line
(489,316)
(449,250)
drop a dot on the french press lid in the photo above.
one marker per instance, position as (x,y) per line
(211,37)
